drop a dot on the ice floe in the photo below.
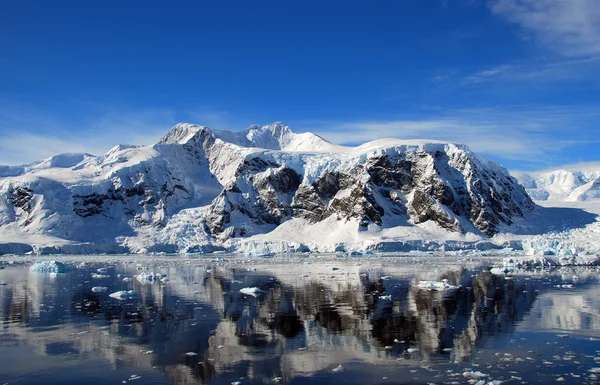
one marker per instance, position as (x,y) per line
(436,285)
(49,267)
(254,291)
(125,294)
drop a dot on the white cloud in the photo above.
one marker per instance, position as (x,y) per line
(571,27)
(29,134)
(567,69)
(535,135)
(14,148)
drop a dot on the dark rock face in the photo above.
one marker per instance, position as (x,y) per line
(140,202)
(395,175)
(256,165)
(308,204)
(239,192)
(268,203)
(21,197)
(453,191)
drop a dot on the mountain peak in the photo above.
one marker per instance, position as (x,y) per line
(181,133)
(273,136)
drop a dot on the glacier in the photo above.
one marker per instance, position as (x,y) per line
(268,190)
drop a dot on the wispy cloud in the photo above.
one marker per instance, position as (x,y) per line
(570,27)
(536,135)
(30,134)
(25,147)
(559,70)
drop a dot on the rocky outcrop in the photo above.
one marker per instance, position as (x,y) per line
(449,186)
(218,185)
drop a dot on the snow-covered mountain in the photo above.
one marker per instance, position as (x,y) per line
(573,183)
(263,189)
(570,189)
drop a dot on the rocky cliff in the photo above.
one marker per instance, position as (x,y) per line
(199,189)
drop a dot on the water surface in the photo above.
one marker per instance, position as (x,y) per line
(316,320)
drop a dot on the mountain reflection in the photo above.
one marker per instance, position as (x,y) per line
(199,326)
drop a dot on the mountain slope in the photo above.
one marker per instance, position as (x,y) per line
(201,190)
(574,183)
(568,190)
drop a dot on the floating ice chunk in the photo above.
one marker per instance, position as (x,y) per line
(412,350)
(384,297)
(338,369)
(436,285)
(474,375)
(99,289)
(49,267)
(100,276)
(499,270)
(535,261)
(191,354)
(127,279)
(125,294)
(102,270)
(145,277)
(254,291)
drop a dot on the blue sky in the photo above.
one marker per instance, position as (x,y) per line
(517,80)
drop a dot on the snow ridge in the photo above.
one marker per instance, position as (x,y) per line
(264,189)
(566,184)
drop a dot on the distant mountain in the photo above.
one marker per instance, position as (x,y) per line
(265,189)
(56,161)
(573,183)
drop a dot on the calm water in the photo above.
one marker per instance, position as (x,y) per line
(312,315)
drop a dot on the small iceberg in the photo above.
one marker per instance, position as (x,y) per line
(436,285)
(253,291)
(471,375)
(125,294)
(540,261)
(99,289)
(49,267)
(151,277)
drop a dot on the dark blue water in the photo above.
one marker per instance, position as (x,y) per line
(312,320)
